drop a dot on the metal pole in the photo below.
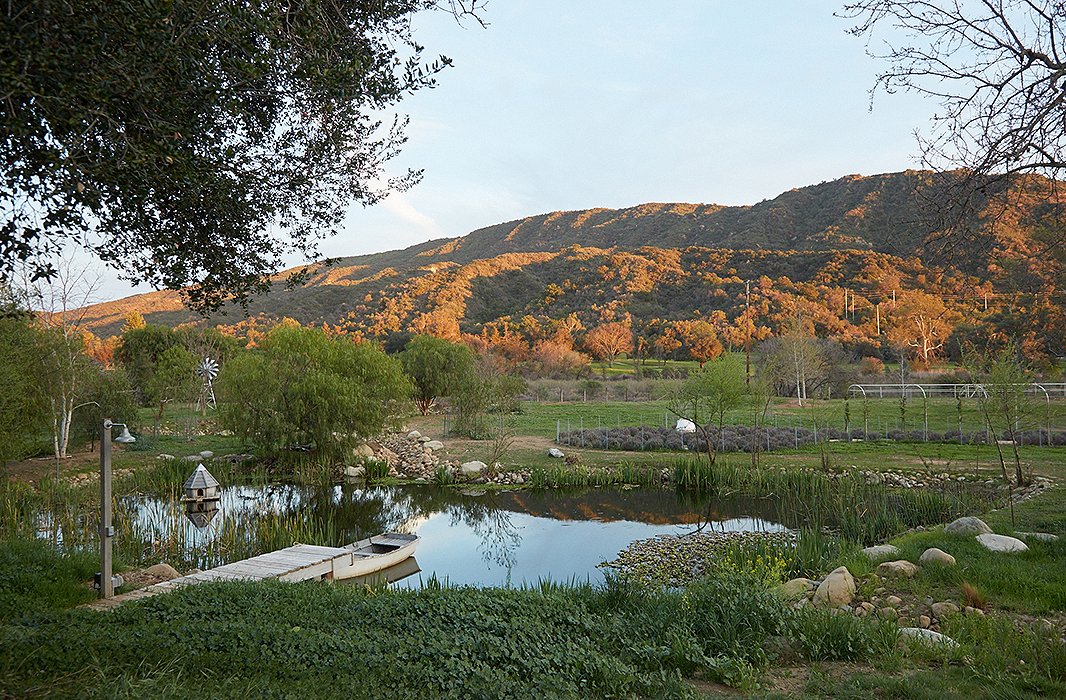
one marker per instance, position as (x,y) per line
(747,332)
(107,532)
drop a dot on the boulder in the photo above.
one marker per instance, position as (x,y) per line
(795,588)
(924,621)
(1002,543)
(967,527)
(555,452)
(936,556)
(424,438)
(162,572)
(900,567)
(206,454)
(837,589)
(166,456)
(1040,536)
(881,551)
(942,610)
(928,637)
(195,459)
(355,472)
(894,601)
(433,445)
(414,435)
(472,468)
(363,451)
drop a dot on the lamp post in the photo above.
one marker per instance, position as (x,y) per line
(107,530)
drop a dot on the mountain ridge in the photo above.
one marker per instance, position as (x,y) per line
(853,216)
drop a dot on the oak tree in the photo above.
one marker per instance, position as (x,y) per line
(609,340)
(197,142)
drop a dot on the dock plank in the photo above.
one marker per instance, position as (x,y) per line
(295,563)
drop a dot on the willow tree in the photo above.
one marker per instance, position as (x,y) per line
(300,387)
(438,368)
(197,142)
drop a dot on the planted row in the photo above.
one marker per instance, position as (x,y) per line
(743,438)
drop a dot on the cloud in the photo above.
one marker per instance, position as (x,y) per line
(400,206)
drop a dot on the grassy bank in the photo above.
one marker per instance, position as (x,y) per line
(551,641)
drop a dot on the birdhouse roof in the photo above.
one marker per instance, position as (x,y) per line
(201,479)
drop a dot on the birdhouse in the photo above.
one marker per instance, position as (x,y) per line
(201,486)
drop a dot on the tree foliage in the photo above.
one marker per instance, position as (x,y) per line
(187,142)
(300,387)
(23,409)
(709,394)
(609,340)
(139,350)
(173,379)
(438,368)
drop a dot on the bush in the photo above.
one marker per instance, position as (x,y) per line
(302,387)
(871,366)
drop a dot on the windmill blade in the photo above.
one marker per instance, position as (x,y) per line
(208,369)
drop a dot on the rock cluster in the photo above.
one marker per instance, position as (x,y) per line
(840,592)
(420,458)
(919,480)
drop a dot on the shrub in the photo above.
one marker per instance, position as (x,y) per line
(871,366)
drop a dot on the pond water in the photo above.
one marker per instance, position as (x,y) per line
(468,537)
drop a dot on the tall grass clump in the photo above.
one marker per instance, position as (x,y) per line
(825,635)
(855,509)
(581,476)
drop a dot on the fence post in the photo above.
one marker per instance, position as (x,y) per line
(556,431)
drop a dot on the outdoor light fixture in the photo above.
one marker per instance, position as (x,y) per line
(107,530)
(125,438)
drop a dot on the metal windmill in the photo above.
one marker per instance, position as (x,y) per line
(208,370)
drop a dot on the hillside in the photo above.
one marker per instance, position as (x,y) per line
(660,261)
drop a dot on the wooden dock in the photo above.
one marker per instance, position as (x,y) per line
(301,562)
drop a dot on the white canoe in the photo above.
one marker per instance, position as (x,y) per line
(374,554)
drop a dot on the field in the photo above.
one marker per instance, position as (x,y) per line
(588,642)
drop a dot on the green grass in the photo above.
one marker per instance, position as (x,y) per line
(35,578)
(553,640)
(1032,582)
(311,639)
(539,418)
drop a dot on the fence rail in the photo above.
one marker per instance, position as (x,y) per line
(966,391)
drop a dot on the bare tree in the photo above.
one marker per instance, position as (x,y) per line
(997,68)
(62,364)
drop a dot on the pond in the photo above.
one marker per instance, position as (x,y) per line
(470,537)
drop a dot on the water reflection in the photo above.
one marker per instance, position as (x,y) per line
(482,538)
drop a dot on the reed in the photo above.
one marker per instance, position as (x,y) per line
(581,476)
(854,509)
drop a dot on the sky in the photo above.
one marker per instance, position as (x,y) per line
(560,105)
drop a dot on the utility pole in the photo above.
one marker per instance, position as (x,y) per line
(747,332)
(877,315)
